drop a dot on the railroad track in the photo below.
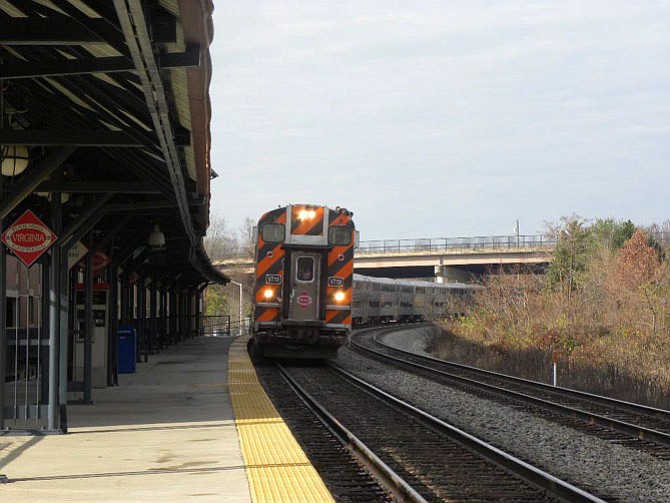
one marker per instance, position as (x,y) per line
(421,457)
(651,426)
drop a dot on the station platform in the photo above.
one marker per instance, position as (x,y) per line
(192,424)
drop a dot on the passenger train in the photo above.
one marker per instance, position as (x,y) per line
(306,295)
(384,300)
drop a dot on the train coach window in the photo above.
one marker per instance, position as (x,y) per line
(273,233)
(339,236)
(305,266)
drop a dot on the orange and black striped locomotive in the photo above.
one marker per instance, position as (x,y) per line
(304,269)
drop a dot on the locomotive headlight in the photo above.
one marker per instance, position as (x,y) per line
(268,293)
(339,296)
(306,214)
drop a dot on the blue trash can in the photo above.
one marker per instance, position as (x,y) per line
(127,350)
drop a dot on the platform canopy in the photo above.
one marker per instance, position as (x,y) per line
(109,102)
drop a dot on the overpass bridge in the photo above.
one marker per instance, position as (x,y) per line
(453,259)
(449,259)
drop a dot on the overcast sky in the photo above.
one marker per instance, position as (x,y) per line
(442,118)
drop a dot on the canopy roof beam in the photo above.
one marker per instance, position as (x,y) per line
(112,64)
(133,23)
(58,30)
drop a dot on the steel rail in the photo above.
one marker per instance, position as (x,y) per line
(392,478)
(532,474)
(568,392)
(640,432)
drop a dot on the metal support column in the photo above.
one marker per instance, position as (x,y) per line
(160,334)
(113,324)
(177,313)
(141,320)
(3,328)
(124,299)
(132,307)
(174,314)
(88,328)
(189,313)
(191,310)
(187,319)
(194,312)
(198,308)
(55,409)
(180,310)
(174,308)
(153,322)
(64,329)
(44,330)
(165,341)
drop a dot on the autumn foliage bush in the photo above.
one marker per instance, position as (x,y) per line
(602,307)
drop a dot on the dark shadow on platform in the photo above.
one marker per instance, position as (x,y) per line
(186,383)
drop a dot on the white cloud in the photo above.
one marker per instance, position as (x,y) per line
(422,116)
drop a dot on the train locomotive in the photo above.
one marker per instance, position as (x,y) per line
(304,267)
(306,295)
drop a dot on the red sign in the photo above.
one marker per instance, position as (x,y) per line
(304,300)
(100,261)
(28,238)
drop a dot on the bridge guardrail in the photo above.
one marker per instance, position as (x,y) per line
(457,244)
(462,244)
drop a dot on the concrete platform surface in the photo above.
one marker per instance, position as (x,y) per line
(166,433)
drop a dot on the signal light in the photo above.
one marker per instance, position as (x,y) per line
(268,293)
(339,296)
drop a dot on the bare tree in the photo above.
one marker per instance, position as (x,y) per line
(220,243)
(246,241)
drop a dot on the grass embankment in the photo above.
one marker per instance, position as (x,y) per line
(606,314)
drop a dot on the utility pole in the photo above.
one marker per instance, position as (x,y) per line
(516,231)
(239,285)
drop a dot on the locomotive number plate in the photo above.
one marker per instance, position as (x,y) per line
(272,279)
(335,281)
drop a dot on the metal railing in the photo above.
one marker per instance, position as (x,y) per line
(223,326)
(457,244)
(215,326)
(461,244)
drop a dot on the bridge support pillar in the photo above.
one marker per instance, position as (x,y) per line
(446,274)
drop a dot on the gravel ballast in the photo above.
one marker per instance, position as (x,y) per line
(605,468)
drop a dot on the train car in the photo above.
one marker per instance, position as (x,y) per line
(304,264)
(363,308)
(384,300)
(406,296)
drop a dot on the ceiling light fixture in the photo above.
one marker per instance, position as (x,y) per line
(14,159)
(157,238)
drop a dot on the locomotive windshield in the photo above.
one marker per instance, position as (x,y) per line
(339,235)
(272,233)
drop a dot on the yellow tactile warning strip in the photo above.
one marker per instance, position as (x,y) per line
(277,468)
